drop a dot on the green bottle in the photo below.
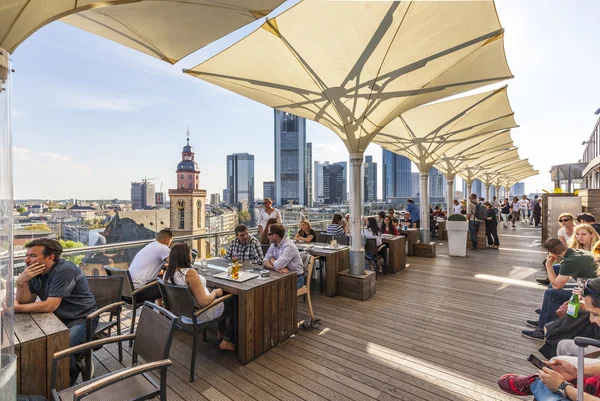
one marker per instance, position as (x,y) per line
(573,306)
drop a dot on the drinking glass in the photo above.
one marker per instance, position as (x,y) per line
(581,282)
(247,265)
(229,270)
(204,265)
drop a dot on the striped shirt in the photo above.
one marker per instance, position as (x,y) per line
(336,230)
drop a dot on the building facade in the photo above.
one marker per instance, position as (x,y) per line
(188,201)
(415,185)
(142,195)
(518,189)
(269,189)
(215,199)
(309,176)
(290,159)
(370,180)
(397,177)
(437,186)
(240,178)
(334,177)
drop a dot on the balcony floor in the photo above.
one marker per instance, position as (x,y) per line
(442,329)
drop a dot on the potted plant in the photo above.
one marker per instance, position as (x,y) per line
(457,227)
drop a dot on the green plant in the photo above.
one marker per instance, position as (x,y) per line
(76,259)
(457,217)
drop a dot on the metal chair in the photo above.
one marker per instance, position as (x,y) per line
(373,254)
(341,240)
(129,293)
(179,300)
(107,291)
(265,248)
(152,341)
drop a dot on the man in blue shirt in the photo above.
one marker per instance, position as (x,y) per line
(61,287)
(415,213)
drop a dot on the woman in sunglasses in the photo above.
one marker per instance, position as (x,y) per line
(267,213)
(567,228)
(554,383)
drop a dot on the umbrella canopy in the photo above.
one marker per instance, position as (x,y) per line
(354,66)
(426,133)
(166,29)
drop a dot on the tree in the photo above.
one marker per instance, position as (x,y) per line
(76,259)
(244,216)
(21,210)
(37,227)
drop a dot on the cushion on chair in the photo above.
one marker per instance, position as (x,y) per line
(128,389)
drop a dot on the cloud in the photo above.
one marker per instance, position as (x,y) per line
(49,165)
(77,99)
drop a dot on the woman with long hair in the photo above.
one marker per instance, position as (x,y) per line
(567,228)
(264,238)
(335,229)
(181,272)
(585,237)
(387,227)
(306,233)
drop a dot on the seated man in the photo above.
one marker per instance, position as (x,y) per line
(573,263)
(62,289)
(283,256)
(555,384)
(245,247)
(147,263)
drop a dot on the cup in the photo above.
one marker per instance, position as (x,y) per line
(229,270)
(203,265)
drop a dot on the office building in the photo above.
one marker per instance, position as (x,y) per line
(290,159)
(370,180)
(226,196)
(437,184)
(518,189)
(309,176)
(269,189)
(159,198)
(215,199)
(334,188)
(415,185)
(397,177)
(142,195)
(318,181)
(240,178)
(477,188)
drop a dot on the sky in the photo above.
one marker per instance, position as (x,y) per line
(91,116)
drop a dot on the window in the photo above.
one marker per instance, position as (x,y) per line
(190,186)
(181,219)
(199,214)
(182,176)
(190,177)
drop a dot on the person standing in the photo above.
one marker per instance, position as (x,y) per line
(537,212)
(515,211)
(415,213)
(268,212)
(474,222)
(505,212)
(524,208)
(491,226)
(457,207)
(532,204)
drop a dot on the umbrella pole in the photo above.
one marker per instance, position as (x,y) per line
(469,188)
(357,253)
(487,192)
(449,194)
(424,207)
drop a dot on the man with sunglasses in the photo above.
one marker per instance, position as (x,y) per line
(283,256)
(555,383)
(574,263)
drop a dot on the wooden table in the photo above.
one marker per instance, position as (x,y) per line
(397,252)
(412,236)
(37,337)
(267,311)
(336,260)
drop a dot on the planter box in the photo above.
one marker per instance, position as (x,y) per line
(457,233)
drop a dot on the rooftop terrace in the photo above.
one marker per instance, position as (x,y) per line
(441,329)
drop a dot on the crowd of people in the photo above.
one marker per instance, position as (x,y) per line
(572,266)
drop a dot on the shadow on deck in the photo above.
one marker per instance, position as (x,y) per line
(441,329)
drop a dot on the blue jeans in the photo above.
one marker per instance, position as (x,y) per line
(542,393)
(76,337)
(553,299)
(473,228)
(300,282)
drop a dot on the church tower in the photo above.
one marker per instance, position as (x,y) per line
(188,201)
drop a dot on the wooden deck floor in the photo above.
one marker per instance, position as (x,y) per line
(442,329)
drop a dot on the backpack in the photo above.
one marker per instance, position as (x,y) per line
(480,212)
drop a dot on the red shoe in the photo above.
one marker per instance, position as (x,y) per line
(516,385)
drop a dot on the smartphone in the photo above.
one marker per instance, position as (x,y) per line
(535,361)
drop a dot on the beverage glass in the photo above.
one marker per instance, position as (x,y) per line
(229,270)
(222,252)
(235,271)
(247,265)
(204,265)
(581,282)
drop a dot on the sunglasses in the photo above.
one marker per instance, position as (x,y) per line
(269,234)
(586,291)
(564,220)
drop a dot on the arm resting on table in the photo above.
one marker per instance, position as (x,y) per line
(213,303)
(119,376)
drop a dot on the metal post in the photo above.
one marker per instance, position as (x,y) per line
(469,188)
(357,253)
(449,194)
(497,187)
(487,192)
(424,207)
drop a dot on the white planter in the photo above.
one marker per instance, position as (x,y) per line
(457,233)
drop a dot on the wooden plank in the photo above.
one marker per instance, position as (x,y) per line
(241,327)
(259,321)
(266,311)
(33,355)
(249,326)
(274,313)
(57,339)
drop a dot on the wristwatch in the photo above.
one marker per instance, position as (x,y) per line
(562,389)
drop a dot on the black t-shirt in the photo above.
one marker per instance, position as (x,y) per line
(310,232)
(68,282)
(506,209)
(491,213)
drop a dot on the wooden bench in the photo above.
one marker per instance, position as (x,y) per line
(37,337)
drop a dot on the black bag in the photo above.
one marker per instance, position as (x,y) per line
(567,328)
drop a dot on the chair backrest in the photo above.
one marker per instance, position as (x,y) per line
(127,281)
(154,332)
(308,261)
(177,298)
(342,240)
(371,246)
(106,289)
(322,237)
(265,248)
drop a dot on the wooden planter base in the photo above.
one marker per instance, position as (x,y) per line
(425,250)
(357,287)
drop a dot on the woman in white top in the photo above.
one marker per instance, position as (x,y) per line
(269,212)
(180,272)
(567,228)
(372,230)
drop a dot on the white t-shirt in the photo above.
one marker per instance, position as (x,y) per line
(457,209)
(562,233)
(515,206)
(367,233)
(523,204)
(263,217)
(211,314)
(147,263)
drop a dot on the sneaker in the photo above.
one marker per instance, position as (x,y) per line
(536,334)
(538,311)
(543,281)
(532,323)
(516,385)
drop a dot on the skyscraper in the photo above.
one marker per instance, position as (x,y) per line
(142,195)
(269,189)
(437,184)
(318,181)
(215,199)
(370,180)
(309,175)
(477,188)
(290,159)
(240,178)
(415,185)
(334,183)
(518,189)
(397,178)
